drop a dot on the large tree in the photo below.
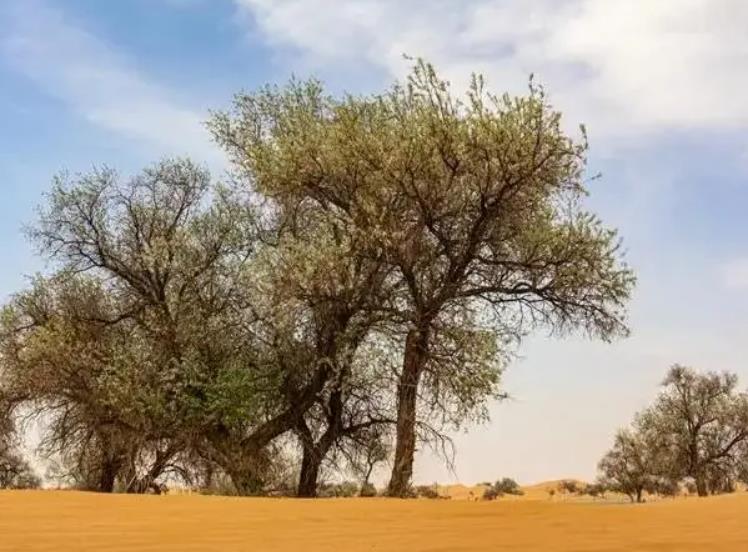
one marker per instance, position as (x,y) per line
(133,346)
(703,420)
(476,204)
(632,466)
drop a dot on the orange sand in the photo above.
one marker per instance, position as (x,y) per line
(63,521)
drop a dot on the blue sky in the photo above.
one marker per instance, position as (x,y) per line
(660,85)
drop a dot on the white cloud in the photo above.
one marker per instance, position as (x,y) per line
(735,274)
(624,67)
(97,82)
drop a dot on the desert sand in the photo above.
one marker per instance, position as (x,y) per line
(66,521)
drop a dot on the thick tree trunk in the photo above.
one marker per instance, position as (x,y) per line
(107,477)
(405,445)
(701,487)
(310,466)
(639,496)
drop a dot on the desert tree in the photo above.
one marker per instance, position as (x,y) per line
(131,345)
(504,486)
(632,466)
(476,203)
(703,419)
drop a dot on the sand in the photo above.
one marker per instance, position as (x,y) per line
(63,521)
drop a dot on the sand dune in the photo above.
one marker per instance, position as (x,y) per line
(79,522)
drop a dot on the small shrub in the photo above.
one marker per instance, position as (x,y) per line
(505,486)
(426,491)
(568,486)
(490,493)
(368,490)
(595,490)
(344,489)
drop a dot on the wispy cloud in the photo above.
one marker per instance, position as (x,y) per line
(624,67)
(99,83)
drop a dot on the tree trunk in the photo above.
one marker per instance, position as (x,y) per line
(310,465)
(639,496)
(701,486)
(405,445)
(107,477)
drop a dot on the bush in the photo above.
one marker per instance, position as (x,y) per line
(368,490)
(595,489)
(568,486)
(344,489)
(491,493)
(426,491)
(505,486)
(668,487)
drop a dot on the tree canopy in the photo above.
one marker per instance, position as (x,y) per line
(356,289)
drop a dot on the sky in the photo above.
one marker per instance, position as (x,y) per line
(661,87)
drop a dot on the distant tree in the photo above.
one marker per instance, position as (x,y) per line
(505,486)
(474,204)
(568,486)
(368,451)
(631,466)
(596,490)
(702,421)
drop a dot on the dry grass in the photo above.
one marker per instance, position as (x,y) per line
(71,521)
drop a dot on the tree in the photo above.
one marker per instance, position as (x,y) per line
(476,206)
(138,341)
(631,466)
(703,421)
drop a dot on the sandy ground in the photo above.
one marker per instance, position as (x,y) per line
(64,521)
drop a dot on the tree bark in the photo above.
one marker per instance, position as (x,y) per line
(108,476)
(314,452)
(701,486)
(310,465)
(405,445)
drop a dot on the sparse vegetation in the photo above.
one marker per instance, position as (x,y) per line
(505,486)
(568,486)
(426,491)
(697,430)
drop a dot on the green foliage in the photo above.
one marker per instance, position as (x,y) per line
(191,330)
(697,429)
(505,486)
(475,203)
